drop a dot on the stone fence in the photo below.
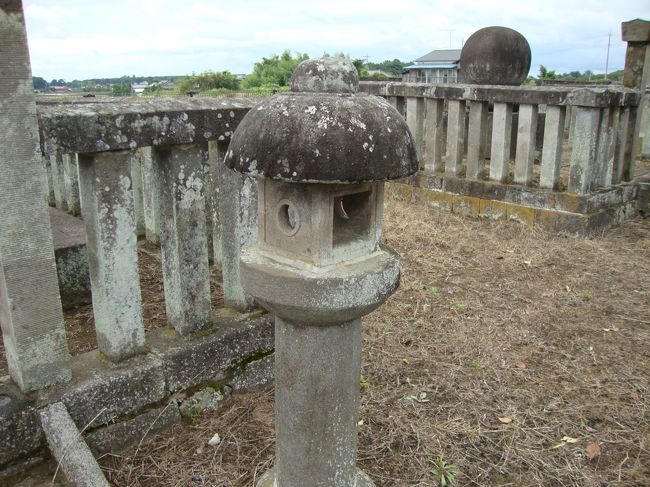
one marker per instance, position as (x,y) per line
(556,156)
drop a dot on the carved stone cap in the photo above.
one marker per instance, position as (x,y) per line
(317,137)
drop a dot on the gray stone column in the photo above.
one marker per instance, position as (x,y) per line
(583,153)
(71,183)
(150,196)
(58,181)
(109,217)
(552,148)
(455,137)
(138,196)
(30,305)
(636,75)
(415,120)
(525,153)
(299,392)
(215,169)
(237,204)
(51,200)
(477,138)
(183,237)
(501,136)
(434,147)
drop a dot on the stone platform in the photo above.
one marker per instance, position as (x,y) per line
(71,257)
(584,215)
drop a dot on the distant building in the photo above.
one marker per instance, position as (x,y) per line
(138,88)
(60,89)
(439,66)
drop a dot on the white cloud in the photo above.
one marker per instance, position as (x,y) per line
(81,39)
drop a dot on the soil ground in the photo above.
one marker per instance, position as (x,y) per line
(510,356)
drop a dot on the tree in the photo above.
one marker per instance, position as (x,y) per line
(121,89)
(209,80)
(274,71)
(394,67)
(545,73)
(39,83)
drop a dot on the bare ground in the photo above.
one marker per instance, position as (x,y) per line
(519,356)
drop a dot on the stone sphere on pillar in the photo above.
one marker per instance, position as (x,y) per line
(495,56)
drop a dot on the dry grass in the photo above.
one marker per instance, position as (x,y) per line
(492,320)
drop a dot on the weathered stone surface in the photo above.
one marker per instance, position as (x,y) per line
(117,437)
(99,127)
(207,358)
(109,217)
(203,401)
(257,374)
(183,235)
(323,138)
(71,258)
(636,30)
(101,391)
(30,306)
(551,95)
(68,447)
(325,75)
(495,56)
(19,426)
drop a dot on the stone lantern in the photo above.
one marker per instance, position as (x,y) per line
(322,153)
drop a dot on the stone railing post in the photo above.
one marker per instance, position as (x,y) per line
(318,265)
(109,217)
(150,197)
(30,306)
(636,75)
(554,124)
(433,135)
(183,235)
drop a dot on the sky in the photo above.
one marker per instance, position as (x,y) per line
(83,39)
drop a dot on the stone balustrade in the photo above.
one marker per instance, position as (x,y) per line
(143,168)
(458,128)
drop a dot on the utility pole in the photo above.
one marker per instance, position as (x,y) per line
(609,41)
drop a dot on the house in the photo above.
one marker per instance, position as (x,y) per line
(438,66)
(138,88)
(60,89)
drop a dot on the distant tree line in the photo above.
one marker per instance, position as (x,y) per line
(577,76)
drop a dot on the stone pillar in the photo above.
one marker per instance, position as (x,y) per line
(636,75)
(583,153)
(183,237)
(237,208)
(501,136)
(30,306)
(51,200)
(215,168)
(477,139)
(526,134)
(71,182)
(317,264)
(138,196)
(109,218)
(455,137)
(58,181)
(150,196)
(552,149)
(433,135)
(415,120)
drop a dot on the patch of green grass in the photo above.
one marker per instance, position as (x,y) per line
(460,306)
(364,383)
(433,290)
(444,473)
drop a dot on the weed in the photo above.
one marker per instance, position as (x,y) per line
(445,473)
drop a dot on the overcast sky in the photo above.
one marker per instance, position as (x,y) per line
(80,39)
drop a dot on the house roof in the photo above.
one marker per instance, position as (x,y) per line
(431,66)
(440,56)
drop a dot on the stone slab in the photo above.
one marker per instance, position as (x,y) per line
(206,358)
(254,375)
(117,437)
(101,391)
(99,127)
(71,257)
(20,431)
